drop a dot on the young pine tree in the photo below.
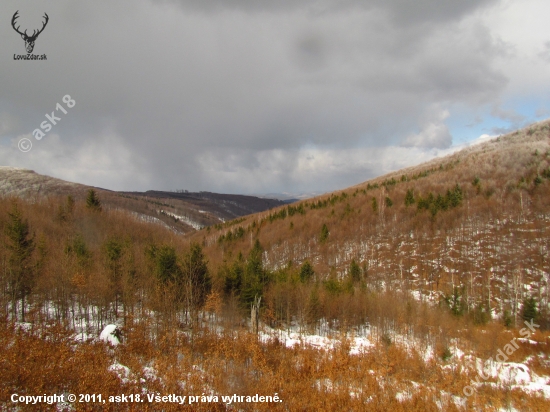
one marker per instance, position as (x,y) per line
(306,272)
(20,269)
(409,198)
(324,234)
(255,276)
(196,280)
(529,311)
(92,201)
(165,263)
(456,302)
(374,205)
(233,276)
(354,271)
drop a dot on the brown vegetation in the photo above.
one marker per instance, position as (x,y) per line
(435,266)
(476,220)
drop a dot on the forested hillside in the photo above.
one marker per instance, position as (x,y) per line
(393,294)
(473,226)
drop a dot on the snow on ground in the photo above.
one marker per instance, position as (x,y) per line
(83,337)
(24,326)
(500,375)
(123,372)
(358,344)
(428,353)
(184,219)
(150,373)
(149,219)
(509,375)
(525,340)
(110,334)
(504,372)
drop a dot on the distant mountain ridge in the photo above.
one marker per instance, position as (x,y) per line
(227,205)
(288,197)
(181,211)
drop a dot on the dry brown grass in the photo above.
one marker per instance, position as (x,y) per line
(488,247)
(236,363)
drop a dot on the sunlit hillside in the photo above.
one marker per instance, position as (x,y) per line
(477,222)
(422,290)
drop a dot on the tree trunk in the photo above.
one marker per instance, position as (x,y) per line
(254,314)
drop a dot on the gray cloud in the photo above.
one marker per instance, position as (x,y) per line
(434,133)
(174,94)
(509,115)
(402,11)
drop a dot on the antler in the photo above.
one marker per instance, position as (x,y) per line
(43,26)
(15,16)
(34,33)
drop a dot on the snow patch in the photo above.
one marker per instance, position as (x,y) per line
(110,334)
(123,372)
(357,344)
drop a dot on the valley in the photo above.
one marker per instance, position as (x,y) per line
(424,289)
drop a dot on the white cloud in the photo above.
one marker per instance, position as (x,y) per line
(434,133)
(103,161)
(312,169)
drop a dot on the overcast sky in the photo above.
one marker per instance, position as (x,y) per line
(257,96)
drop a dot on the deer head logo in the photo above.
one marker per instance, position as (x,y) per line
(29,40)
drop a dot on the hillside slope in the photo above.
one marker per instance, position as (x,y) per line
(15,181)
(181,212)
(476,221)
(358,329)
(226,206)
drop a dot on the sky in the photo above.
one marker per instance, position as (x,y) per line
(263,96)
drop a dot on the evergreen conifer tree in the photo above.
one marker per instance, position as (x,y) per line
(354,271)
(306,272)
(409,198)
(324,233)
(529,311)
(92,201)
(196,279)
(21,272)
(255,276)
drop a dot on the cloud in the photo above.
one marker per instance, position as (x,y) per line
(543,112)
(7,123)
(103,161)
(400,11)
(302,168)
(509,115)
(189,94)
(545,52)
(434,133)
